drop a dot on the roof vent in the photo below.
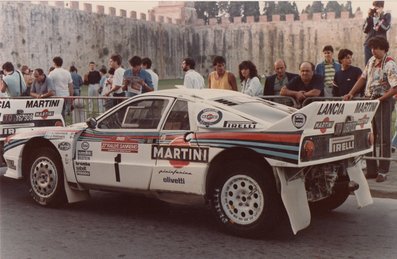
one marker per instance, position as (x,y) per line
(226,102)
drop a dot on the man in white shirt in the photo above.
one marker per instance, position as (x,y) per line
(117,84)
(62,82)
(147,65)
(192,78)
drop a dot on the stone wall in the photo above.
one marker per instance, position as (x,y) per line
(34,33)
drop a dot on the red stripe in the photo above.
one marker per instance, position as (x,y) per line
(284,138)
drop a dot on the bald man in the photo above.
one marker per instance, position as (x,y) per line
(307,84)
(275,82)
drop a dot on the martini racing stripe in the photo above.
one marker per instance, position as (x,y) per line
(14,143)
(281,137)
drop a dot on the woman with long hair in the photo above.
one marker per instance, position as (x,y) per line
(250,83)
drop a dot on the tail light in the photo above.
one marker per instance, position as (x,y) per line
(308,149)
(370,139)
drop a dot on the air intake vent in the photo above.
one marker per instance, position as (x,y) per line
(226,102)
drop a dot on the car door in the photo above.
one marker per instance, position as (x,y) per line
(117,153)
(180,164)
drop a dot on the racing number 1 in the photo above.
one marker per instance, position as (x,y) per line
(117,160)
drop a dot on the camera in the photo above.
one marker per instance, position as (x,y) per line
(372,12)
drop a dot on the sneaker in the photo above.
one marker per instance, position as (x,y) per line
(393,149)
(381,178)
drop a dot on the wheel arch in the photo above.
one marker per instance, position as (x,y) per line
(236,153)
(33,144)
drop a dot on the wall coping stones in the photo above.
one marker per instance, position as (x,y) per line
(88,8)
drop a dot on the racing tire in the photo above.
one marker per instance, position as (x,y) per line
(245,200)
(337,198)
(45,178)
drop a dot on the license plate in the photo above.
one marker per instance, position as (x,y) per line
(345,127)
(340,144)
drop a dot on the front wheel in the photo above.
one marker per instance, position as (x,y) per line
(245,200)
(46,178)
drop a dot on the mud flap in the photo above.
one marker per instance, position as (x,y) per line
(75,195)
(293,194)
(363,194)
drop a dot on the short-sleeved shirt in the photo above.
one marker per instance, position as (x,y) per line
(142,75)
(345,80)
(155,79)
(61,78)
(317,82)
(43,87)
(14,82)
(193,80)
(380,76)
(118,79)
(77,80)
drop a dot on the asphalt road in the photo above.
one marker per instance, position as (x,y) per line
(112,225)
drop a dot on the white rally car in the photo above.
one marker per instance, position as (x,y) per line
(248,158)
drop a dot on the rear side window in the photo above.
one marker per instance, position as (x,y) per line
(178,119)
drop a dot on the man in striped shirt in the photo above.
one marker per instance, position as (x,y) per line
(327,69)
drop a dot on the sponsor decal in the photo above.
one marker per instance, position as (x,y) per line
(11,164)
(324,125)
(44,114)
(209,116)
(341,144)
(84,154)
(64,146)
(345,127)
(173,172)
(5,104)
(298,120)
(85,145)
(20,116)
(362,121)
(8,131)
(364,107)
(331,109)
(56,135)
(82,168)
(179,153)
(179,180)
(240,124)
(120,145)
(42,103)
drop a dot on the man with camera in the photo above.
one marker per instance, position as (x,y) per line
(380,81)
(376,24)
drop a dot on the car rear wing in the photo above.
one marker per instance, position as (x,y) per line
(331,130)
(29,113)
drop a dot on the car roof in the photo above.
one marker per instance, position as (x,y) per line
(206,94)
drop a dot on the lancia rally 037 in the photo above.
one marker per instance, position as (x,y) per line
(250,159)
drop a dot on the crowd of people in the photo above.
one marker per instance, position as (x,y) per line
(328,78)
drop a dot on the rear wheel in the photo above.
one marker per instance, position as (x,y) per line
(245,200)
(339,195)
(46,178)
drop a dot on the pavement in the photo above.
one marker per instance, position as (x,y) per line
(388,188)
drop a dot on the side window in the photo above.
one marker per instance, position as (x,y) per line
(142,114)
(178,118)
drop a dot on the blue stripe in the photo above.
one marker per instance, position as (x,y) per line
(253,144)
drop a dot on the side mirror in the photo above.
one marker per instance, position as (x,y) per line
(188,136)
(91,123)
